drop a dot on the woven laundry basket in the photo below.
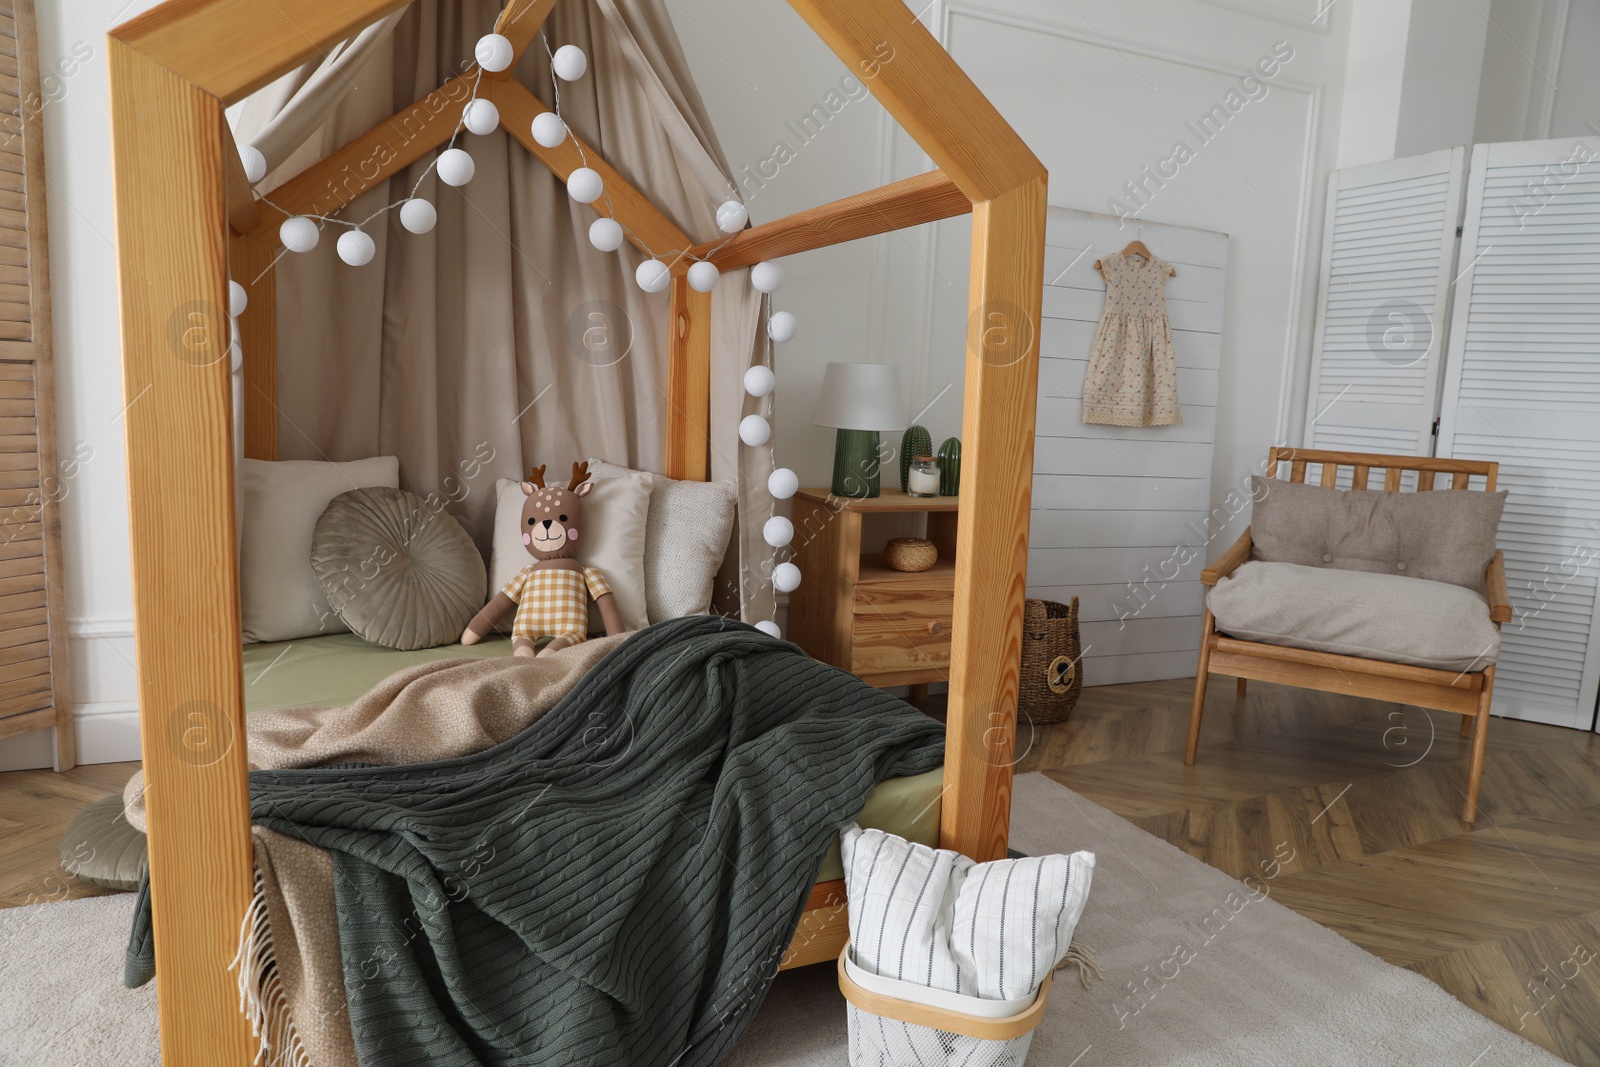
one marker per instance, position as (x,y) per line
(1052,661)
(894,1023)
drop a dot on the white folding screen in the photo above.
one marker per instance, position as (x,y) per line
(1523,388)
(1120,513)
(1388,255)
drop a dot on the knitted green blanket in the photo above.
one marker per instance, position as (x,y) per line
(616,884)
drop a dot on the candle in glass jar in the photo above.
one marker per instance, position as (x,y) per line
(922,479)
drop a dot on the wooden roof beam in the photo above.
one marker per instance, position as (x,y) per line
(244,211)
(375,156)
(645,225)
(519,23)
(201,42)
(908,71)
(912,202)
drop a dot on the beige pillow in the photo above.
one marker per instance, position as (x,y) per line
(690,526)
(1443,535)
(1353,613)
(280,597)
(615,513)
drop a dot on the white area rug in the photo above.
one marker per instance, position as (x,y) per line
(1200,971)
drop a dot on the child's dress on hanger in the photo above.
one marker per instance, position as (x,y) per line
(1133,376)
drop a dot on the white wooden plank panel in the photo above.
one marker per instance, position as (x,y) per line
(1523,388)
(1120,512)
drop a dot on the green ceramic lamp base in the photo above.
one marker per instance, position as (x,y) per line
(856,464)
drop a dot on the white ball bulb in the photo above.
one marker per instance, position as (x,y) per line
(549,130)
(703,277)
(494,52)
(235,356)
(238,299)
(782,326)
(456,167)
(786,577)
(569,63)
(732,216)
(755,430)
(418,216)
(778,531)
(255,164)
(585,185)
(783,483)
(481,117)
(652,276)
(606,235)
(770,628)
(299,234)
(758,381)
(356,248)
(766,276)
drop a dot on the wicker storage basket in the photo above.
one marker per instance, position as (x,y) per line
(910,553)
(1052,661)
(935,1031)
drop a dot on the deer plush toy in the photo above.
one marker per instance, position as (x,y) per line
(552,593)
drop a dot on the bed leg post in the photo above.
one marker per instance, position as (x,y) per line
(250,258)
(992,526)
(168,142)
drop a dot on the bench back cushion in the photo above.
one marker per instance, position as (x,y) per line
(1444,535)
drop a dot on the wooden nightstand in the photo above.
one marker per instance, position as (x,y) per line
(852,610)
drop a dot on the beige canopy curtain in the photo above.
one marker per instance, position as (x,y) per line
(503,339)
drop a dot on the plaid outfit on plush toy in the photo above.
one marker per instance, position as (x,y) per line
(554,601)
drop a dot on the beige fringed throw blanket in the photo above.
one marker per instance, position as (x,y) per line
(435,711)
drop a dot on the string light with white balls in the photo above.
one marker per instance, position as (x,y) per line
(585,185)
(755,431)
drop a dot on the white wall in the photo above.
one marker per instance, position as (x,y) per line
(1539,76)
(83,281)
(1100,90)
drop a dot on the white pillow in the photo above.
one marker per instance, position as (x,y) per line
(614,513)
(687,536)
(936,918)
(280,597)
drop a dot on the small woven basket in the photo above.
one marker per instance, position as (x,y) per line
(1052,661)
(933,1029)
(910,554)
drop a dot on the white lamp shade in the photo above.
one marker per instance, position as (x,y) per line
(299,234)
(606,234)
(585,185)
(703,276)
(569,62)
(455,167)
(481,117)
(418,215)
(652,276)
(494,52)
(356,248)
(861,396)
(255,164)
(548,129)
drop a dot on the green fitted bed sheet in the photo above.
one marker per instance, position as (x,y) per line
(335,669)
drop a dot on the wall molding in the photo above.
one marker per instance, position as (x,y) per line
(91,627)
(1297,335)
(1321,20)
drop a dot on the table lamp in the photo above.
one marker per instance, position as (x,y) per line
(859,400)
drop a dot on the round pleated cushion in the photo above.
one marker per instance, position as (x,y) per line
(399,571)
(102,849)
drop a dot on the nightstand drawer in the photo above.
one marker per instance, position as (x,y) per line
(888,642)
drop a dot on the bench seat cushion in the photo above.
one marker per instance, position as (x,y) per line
(1356,613)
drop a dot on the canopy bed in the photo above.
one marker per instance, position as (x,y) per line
(187,217)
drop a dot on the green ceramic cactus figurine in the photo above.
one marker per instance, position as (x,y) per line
(916,441)
(950,468)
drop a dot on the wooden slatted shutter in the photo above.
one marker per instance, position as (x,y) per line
(1523,388)
(33,639)
(1388,258)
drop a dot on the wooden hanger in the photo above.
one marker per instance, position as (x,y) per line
(1136,247)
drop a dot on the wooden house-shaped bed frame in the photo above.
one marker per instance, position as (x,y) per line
(187,220)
